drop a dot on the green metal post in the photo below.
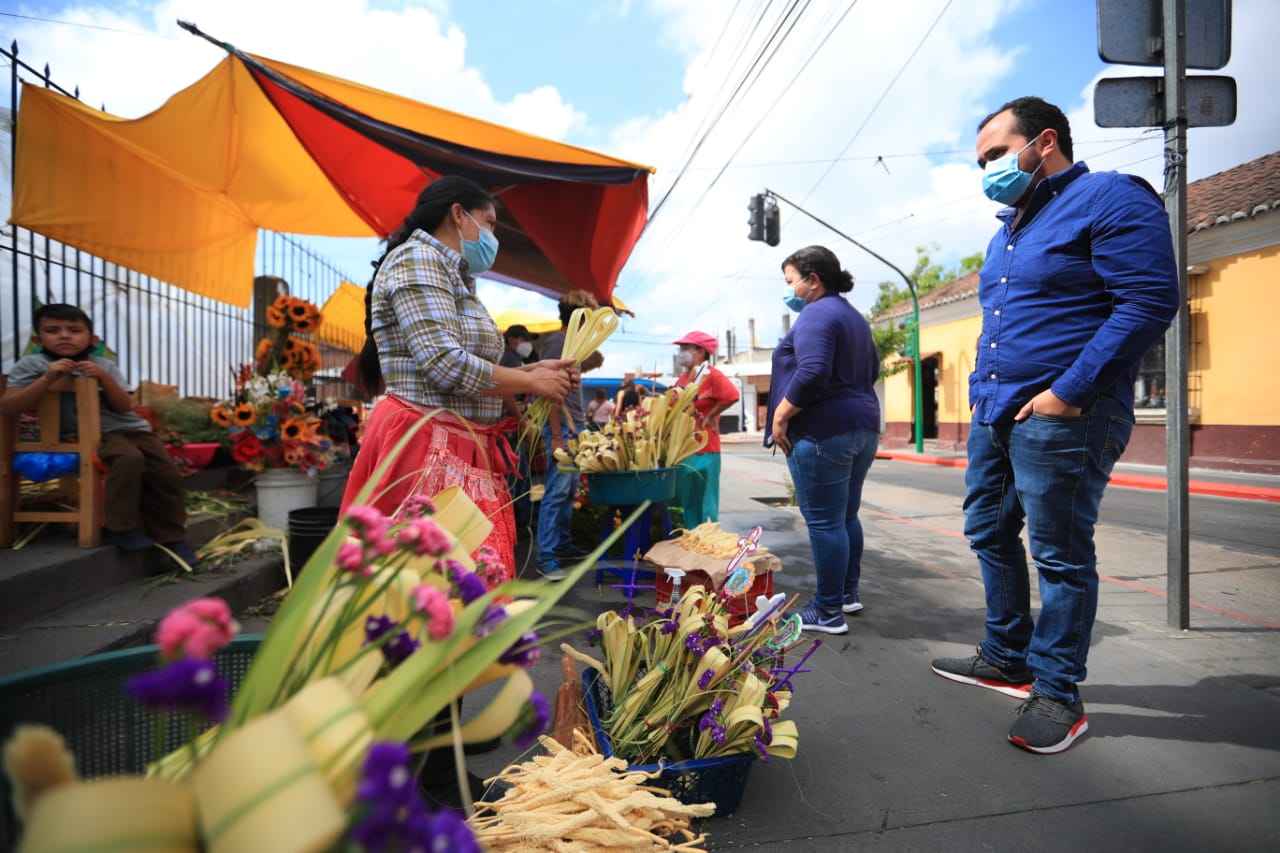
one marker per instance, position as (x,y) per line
(915,347)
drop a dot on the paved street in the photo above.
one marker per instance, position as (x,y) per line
(1183,752)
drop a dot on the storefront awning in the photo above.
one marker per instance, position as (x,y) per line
(180,193)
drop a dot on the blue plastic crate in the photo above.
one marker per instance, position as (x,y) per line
(721,780)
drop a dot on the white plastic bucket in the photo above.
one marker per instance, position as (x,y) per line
(281,490)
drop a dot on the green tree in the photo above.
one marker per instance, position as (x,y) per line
(928,276)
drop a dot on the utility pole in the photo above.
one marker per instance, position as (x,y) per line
(1175,34)
(915,307)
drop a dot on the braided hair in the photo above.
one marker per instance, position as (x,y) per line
(433,205)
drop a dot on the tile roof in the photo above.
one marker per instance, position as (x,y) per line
(1241,192)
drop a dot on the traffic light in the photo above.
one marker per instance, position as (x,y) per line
(756,207)
(772,223)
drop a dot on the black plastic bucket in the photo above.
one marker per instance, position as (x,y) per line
(308,527)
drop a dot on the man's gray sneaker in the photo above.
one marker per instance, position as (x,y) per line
(1047,726)
(974,670)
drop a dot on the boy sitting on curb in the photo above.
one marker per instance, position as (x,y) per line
(145,499)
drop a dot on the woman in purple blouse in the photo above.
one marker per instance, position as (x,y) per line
(824,415)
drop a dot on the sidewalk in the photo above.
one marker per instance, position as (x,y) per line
(1183,752)
(1202,481)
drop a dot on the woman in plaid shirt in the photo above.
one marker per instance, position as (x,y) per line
(432,345)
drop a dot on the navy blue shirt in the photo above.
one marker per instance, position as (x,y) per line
(828,366)
(1074,295)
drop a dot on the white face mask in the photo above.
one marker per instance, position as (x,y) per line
(684,358)
(523,349)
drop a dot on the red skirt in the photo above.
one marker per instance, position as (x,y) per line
(443,453)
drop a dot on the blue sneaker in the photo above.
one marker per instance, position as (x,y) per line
(551,570)
(852,602)
(812,620)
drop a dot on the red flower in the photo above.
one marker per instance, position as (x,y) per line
(247,447)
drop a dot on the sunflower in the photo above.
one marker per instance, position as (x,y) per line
(275,317)
(220,416)
(264,349)
(290,346)
(294,429)
(300,310)
(282,303)
(244,415)
(306,324)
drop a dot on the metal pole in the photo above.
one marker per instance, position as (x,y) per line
(1177,428)
(915,314)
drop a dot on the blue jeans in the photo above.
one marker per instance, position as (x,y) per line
(1050,473)
(556,508)
(828,476)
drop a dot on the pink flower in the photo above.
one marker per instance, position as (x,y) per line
(434,604)
(489,566)
(351,557)
(196,629)
(368,522)
(415,506)
(424,536)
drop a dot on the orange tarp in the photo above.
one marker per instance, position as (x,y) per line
(180,194)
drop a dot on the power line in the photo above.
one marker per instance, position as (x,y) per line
(84,26)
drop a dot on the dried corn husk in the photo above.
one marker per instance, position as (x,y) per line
(568,800)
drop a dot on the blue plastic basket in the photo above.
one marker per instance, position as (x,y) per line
(721,780)
(629,488)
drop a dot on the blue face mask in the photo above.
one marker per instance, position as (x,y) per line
(1004,181)
(789,298)
(481,253)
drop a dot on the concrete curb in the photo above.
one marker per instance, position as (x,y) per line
(1238,491)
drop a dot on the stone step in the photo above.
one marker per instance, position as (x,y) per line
(126,614)
(51,573)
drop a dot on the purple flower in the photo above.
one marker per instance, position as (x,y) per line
(704,681)
(669,627)
(492,617)
(693,643)
(711,720)
(451,568)
(532,721)
(375,627)
(594,636)
(385,774)
(470,586)
(399,647)
(186,684)
(446,830)
(389,811)
(718,734)
(524,652)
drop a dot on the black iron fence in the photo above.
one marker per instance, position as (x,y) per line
(158,332)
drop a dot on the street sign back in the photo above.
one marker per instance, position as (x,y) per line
(1139,101)
(1131,32)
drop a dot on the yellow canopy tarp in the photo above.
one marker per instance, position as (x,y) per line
(342,318)
(539,324)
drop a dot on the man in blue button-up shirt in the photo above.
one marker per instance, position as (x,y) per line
(1078,283)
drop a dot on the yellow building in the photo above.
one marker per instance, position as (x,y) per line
(1233,258)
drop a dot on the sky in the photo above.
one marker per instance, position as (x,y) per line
(862,112)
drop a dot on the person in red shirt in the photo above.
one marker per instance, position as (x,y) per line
(698,487)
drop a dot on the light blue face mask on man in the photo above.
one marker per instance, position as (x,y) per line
(480,254)
(1004,181)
